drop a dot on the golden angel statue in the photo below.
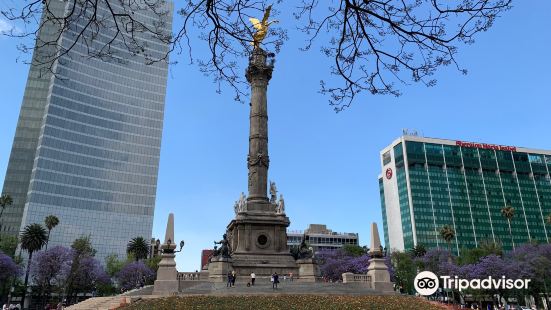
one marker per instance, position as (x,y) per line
(261,27)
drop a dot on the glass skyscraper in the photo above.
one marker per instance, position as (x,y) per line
(429,183)
(87,144)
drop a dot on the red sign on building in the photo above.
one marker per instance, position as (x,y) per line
(486,146)
(389,174)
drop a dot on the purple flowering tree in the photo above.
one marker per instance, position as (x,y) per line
(8,268)
(533,261)
(88,276)
(133,275)
(47,266)
(435,260)
(491,266)
(47,269)
(333,263)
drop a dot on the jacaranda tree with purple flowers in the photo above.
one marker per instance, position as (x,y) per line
(434,260)
(8,268)
(88,276)
(48,267)
(333,263)
(135,274)
(534,262)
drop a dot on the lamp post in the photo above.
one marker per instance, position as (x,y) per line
(181,247)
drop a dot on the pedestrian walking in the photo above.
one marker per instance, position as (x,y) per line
(291,276)
(253,278)
(234,275)
(275,280)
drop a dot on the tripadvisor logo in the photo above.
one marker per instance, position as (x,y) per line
(426,283)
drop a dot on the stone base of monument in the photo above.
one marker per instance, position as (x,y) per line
(380,277)
(308,270)
(167,282)
(264,265)
(219,269)
(259,240)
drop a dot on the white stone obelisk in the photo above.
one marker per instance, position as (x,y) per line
(378,270)
(167,282)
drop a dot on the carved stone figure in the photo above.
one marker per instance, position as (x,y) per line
(261,27)
(304,251)
(242,203)
(260,159)
(224,250)
(280,205)
(236,207)
(273,192)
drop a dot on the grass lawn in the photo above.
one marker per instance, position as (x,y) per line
(294,302)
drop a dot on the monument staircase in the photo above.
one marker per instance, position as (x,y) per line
(284,288)
(101,303)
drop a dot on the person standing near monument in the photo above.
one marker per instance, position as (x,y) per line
(230,280)
(253,278)
(275,281)
(233,276)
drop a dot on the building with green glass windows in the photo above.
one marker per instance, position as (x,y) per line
(429,183)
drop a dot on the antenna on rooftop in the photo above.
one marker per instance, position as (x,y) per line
(410,132)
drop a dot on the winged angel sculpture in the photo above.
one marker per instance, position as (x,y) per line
(261,27)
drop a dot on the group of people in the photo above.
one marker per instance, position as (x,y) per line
(274,279)
(18,307)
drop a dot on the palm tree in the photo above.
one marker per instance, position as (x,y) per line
(419,250)
(33,238)
(509,212)
(51,222)
(138,247)
(5,201)
(447,233)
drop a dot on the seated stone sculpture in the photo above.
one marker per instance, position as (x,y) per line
(224,250)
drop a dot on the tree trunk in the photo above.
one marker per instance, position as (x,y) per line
(1,212)
(27,277)
(511,233)
(48,240)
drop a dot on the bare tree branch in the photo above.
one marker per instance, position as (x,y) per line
(373,44)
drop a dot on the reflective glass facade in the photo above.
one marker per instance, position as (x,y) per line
(437,182)
(95,162)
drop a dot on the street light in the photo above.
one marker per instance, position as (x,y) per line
(181,246)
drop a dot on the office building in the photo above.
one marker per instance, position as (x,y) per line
(429,183)
(87,143)
(319,237)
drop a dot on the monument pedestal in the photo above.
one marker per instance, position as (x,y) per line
(167,275)
(380,277)
(219,269)
(259,242)
(167,282)
(308,270)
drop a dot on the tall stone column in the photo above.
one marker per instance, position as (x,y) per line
(258,74)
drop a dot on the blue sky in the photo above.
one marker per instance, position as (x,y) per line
(326,164)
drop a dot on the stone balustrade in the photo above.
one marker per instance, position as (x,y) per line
(190,276)
(349,277)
